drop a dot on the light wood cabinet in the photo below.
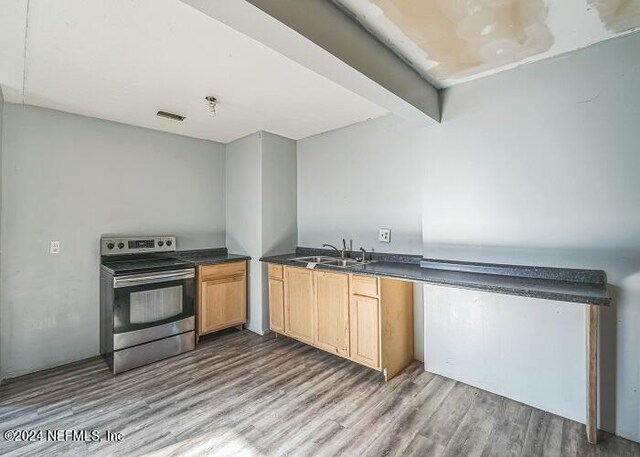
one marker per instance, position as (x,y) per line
(332,312)
(363,318)
(366,286)
(396,326)
(276,305)
(364,330)
(276,298)
(299,304)
(221,296)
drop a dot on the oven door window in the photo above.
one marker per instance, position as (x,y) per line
(144,306)
(149,306)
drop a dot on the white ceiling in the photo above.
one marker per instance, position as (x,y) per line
(123,60)
(452,41)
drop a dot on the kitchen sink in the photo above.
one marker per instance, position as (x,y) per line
(314,258)
(346,263)
(330,261)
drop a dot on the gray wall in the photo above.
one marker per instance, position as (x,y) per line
(244,218)
(537,165)
(540,165)
(279,195)
(279,204)
(356,180)
(73,178)
(261,210)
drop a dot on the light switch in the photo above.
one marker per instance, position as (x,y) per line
(54,247)
(384,235)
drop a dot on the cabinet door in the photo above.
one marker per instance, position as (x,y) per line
(276,305)
(223,303)
(332,312)
(299,303)
(365,330)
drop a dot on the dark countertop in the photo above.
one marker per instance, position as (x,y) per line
(569,285)
(208,256)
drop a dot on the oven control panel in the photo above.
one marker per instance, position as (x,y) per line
(137,244)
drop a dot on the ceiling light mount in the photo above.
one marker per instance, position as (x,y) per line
(213,104)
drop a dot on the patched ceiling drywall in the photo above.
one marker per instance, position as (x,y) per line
(124,60)
(452,41)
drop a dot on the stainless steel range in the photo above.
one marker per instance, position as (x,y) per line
(147,301)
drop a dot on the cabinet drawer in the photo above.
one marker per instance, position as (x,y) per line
(275,271)
(364,285)
(208,272)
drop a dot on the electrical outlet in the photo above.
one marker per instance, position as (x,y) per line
(54,247)
(384,235)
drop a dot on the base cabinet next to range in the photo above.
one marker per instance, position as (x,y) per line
(298,304)
(363,318)
(221,296)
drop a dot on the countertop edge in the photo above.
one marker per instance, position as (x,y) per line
(204,261)
(505,290)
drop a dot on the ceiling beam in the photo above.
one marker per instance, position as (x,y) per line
(320,36)
(13,34)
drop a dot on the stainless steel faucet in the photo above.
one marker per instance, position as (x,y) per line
(327,245)
(364,254)
(343,253)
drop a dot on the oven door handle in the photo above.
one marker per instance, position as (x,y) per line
(153,278)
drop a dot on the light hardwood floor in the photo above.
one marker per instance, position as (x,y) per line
(242,394)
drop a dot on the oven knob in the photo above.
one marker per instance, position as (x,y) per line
(161,243)
(169,242)
(110,245)
(120,245)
